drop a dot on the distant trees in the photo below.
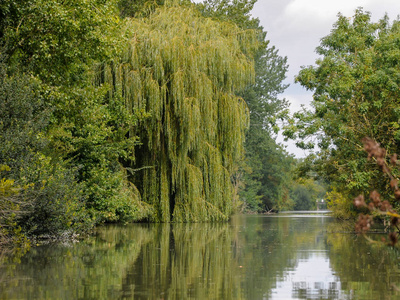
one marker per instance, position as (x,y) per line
(305,192)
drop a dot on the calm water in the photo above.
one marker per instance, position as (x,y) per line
(252,257)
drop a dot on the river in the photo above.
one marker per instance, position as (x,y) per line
(284,256)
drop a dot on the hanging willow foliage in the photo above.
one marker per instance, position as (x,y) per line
(184,70)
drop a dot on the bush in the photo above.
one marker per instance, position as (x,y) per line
(10,208)
(50,201)
(340,205)
(57,200)
(112,198)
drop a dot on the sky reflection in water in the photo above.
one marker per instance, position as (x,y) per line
(312,278)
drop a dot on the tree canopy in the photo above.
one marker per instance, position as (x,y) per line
(184,70)
(356,95)
(265,170)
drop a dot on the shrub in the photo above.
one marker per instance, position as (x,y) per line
(57,200)
(340,205)
(10,208)
(49,201)
(111,198)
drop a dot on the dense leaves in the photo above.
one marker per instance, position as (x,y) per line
(265,171)
(57,40)
(356,94)
(117,111)
(60,138)
(39,193)
(193,138)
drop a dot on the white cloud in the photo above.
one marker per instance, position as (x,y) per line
(317,9)
(296,27)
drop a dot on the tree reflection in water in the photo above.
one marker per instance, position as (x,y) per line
(252,257)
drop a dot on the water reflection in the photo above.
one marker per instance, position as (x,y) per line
(312,278)
(252,257)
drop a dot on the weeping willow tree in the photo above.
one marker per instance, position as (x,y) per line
(184,70)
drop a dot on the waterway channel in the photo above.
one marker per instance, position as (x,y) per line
(283,256)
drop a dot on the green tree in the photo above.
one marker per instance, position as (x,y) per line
(302,197)
(265,170)
(237,11)
(10,209)
(356,94)
(306,191)
(137,8)
(57,40)
(193,140)
(65,136)
(268,166)
(46,198)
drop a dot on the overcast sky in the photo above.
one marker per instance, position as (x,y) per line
(295,27)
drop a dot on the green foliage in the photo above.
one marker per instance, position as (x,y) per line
(265,171)
(237,11)
(59,43)
(302,197)
(10,209)
(305,192)
(56,200)
(23,118)
(340,204)
(111,198)
(356,94)
(137,8)
(91,131)
(266,174)
(269,163)
(194,137)
(50,201)
(98,113)
(57,40)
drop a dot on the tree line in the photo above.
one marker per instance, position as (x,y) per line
(121,111)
